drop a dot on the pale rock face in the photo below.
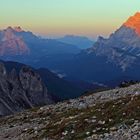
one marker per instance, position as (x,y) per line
(11,44)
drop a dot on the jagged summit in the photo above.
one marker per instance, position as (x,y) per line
(134,23)
(16,29)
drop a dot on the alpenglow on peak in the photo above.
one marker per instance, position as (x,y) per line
(134,23)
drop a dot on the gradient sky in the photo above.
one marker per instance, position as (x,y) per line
(59,17)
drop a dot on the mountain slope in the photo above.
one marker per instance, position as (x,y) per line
(100,115)
(58,87)
(21,91)
(62,89)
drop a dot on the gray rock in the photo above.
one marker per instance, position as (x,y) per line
(21,91)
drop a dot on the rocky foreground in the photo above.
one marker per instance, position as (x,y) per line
(108,115)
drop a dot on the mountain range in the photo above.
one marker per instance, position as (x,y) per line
(79,41)
(16,43)
(108,62)
(18,39)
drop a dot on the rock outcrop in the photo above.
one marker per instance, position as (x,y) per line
(21,91)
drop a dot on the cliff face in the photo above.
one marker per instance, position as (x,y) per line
(134,23)
(11,44)
(21,91)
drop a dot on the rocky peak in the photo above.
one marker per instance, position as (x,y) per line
(11,43)
(134,23)
(9,28)
(18,29)
(8,34)
(19,91)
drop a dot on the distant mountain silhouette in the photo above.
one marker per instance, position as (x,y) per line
(79,41)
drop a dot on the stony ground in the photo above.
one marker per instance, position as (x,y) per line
(108,115)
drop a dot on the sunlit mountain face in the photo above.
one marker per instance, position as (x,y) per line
(11,44)
(134,23)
